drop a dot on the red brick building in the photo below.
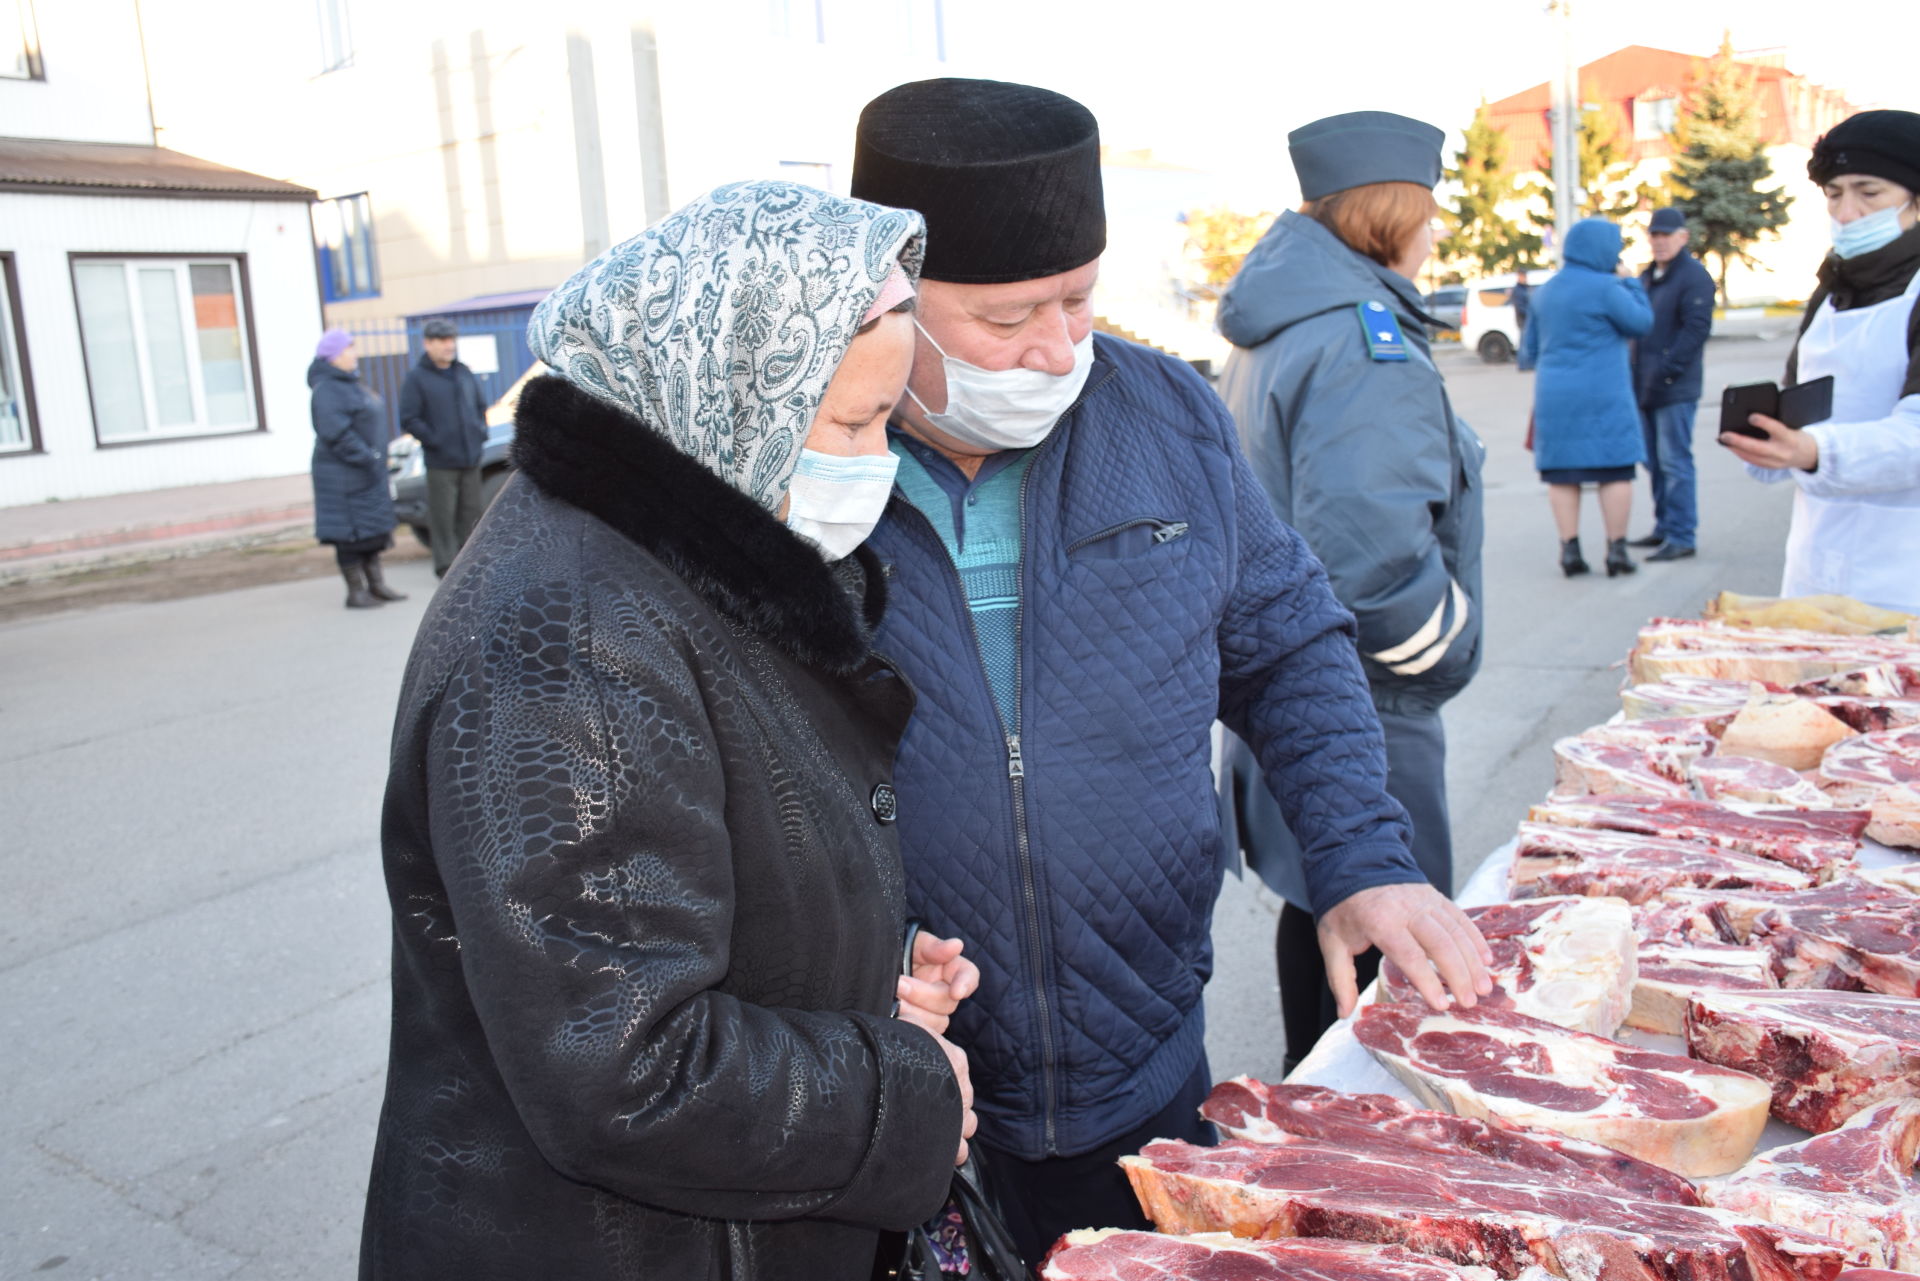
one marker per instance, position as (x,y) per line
(1646,90)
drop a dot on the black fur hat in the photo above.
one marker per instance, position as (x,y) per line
(1885,144)
(1006,175)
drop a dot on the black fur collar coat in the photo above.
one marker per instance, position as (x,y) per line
(647,901)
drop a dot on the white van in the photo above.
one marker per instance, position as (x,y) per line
(1487,324)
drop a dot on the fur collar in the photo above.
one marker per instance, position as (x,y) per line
(738,557)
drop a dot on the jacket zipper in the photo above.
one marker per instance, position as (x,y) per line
(1017,765)
(1165,531)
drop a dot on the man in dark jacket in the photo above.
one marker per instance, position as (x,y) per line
(442,408)
(1666,378)
(1085,573)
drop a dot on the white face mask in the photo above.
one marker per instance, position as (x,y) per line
(1865,234)
(1005,408)
(835,502)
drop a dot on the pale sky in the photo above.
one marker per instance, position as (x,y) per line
(1218,83)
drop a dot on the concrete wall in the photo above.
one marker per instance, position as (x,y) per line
(40,231)
(95,88)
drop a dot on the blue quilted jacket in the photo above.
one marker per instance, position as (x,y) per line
(1079,856)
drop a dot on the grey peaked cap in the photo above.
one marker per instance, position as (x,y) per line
(1364,147)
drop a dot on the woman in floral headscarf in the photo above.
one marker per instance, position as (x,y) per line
(647,901)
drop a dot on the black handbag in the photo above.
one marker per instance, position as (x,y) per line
(991,1255)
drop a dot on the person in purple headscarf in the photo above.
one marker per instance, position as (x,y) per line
(352,508)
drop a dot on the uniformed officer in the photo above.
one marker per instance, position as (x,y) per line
(1348,426)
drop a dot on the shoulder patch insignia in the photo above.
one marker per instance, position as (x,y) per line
(1384,339)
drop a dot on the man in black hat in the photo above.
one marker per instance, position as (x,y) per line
(441,407)
(1667,380)
(1083,572)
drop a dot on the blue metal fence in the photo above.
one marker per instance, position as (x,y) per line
(493,332)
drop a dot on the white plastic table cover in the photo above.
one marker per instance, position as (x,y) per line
(1341,1062)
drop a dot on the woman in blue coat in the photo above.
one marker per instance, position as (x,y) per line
(1586,423)
(352,508)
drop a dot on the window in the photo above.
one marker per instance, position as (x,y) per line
(167,346)
(19,42)
(1653,117)
(913,28)
(17,431)
(343,230)
(336,36)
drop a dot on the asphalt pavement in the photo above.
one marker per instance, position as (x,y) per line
(193,1006)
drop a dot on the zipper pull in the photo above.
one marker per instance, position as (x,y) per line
(1016,765)
(1167,533)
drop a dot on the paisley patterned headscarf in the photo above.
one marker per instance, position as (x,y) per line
(721,325)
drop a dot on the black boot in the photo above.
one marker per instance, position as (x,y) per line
(1571,561)
(359,594)
(377,582)
(1617,562)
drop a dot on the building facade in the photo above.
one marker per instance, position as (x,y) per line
(157,311)
(1645,91)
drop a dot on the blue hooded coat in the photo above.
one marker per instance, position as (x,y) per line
(1578,337)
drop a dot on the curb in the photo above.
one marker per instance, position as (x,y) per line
(116,550)
(34,548)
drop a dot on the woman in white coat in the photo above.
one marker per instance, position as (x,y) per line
(1856,512)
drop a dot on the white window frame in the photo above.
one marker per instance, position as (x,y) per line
(196,378)
(336,35)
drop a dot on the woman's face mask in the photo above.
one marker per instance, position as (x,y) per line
(1868,232)
(1005,408)
(835,501)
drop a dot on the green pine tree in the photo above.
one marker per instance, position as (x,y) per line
(1479,236)
(1720,167)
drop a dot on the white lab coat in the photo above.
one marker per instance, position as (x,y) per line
(1856,518)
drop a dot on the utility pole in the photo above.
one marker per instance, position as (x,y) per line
(1566,127)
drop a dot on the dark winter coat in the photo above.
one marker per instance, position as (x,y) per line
(351,502)
(1667,361)
(1362,455)
(444,410)
(1079,856)
(1584,410)
(647,912)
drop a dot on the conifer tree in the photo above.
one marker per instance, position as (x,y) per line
(1720,166)
(1479,236)
(1607,189)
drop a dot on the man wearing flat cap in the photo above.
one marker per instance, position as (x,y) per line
(441,407)
(1083,574)
(1668,362)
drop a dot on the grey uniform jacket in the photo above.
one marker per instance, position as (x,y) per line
(1348,426)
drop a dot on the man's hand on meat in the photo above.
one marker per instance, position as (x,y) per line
(1420,930)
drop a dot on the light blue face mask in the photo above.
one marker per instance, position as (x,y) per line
(1863,235)
(835,502)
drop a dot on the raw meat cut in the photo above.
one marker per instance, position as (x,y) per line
(1744,778)
(1667,974)
(1826,1054)
(1116,1254)
(1871,715)
(1684,1116)
(1680,646)
(1686,736)
(1685,696)
(1857,771)
(1905,877)
(1491,1216)
(1876,680)
(1259,1112)
(1569,860)
(1568,960)
(1855,930)
(1785,729)
(1821,842)
(1854,1184)
(1896,818)
(1582,767)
